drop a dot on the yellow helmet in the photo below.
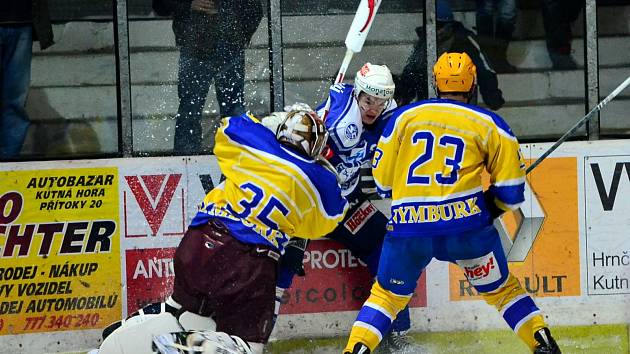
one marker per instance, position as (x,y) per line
(454,72)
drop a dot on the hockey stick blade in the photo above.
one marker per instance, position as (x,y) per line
(581,122)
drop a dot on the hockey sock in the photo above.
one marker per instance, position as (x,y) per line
(375,317)
(517,308)
(528,328)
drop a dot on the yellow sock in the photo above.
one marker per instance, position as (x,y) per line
(527,330)
(385,303)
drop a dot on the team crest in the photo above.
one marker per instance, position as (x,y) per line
(352,131)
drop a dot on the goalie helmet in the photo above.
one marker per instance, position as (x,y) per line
(375,80)
(304,131)
(454,72)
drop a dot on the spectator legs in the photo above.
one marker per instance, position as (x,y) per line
(15,54)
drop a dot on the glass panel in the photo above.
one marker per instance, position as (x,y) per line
(536,48)
(71,96)
(614,61)
(207,49)
(313,34)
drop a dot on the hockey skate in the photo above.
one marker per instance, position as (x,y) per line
(546,343)
(359,348)
(394,343)
(199,342)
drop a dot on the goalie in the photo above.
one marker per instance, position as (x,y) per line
(275,187)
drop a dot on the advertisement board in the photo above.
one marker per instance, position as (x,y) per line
(552,267)
(335,281)
(59,251)
(607,214)
(84,243)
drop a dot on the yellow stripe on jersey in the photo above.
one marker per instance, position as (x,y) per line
(270,189)
(432,155)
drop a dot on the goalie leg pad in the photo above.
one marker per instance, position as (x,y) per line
(201,342)
(135,335)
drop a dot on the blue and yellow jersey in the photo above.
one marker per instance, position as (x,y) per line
(270,192)
(430,160)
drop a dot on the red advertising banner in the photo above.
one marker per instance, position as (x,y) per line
(150,276)
(335,281)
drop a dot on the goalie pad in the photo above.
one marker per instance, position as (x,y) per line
(134,335)
(195,342)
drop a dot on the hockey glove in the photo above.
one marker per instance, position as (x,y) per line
(294,255)
(298,106)
(492,206)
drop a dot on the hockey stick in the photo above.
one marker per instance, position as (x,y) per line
(577,125)
(361,24)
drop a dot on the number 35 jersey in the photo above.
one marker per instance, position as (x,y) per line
(270,193)
(430,159)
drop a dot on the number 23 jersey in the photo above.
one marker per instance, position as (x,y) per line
(430,159)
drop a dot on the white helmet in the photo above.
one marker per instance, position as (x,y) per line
(303,130)
(375,80)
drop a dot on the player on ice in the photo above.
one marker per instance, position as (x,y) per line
(429,161)
(355,116)
(276,187)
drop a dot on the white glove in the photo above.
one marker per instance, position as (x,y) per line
(273,120)
(298,106)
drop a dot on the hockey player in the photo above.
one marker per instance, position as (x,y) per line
(275,187)
(355,116)
(429,161)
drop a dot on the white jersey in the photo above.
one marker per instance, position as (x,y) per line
(352,144)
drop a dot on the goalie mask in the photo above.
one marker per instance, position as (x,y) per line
(375,80)
(304,131)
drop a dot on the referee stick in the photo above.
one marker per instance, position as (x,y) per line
(580,123)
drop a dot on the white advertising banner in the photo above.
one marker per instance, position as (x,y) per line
(607,215)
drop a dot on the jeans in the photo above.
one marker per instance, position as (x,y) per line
(505,18)
(226,67)
(16,45)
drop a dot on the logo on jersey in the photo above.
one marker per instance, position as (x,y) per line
(481,271)
(352,131)
(360,217)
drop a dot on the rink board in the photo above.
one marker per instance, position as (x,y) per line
(95,242)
